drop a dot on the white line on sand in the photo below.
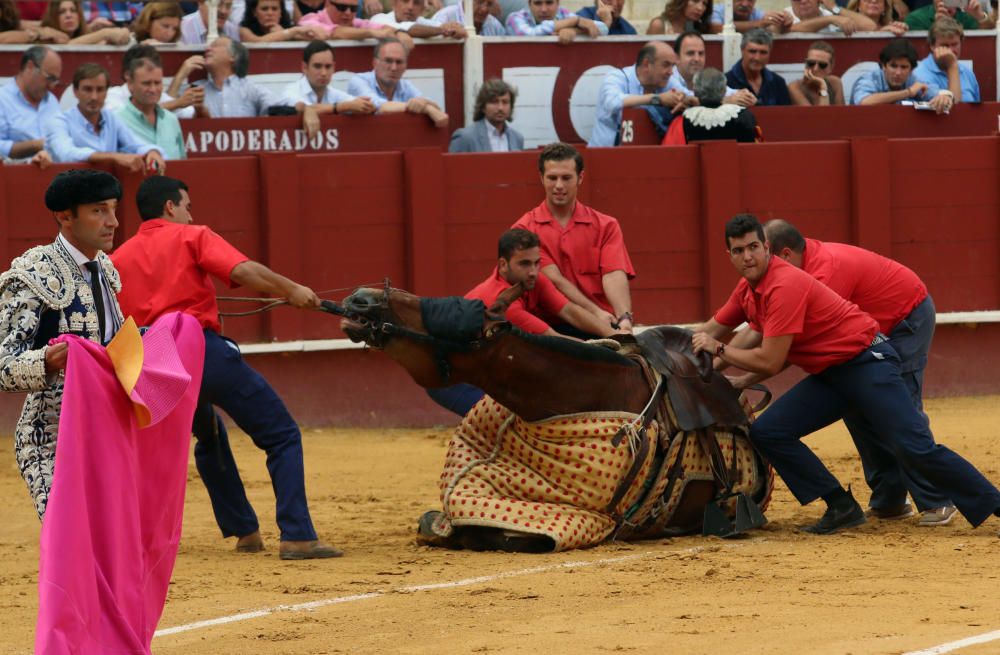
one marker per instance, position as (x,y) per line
(956,645)
(301,607)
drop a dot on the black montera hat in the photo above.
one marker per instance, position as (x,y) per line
(80,186)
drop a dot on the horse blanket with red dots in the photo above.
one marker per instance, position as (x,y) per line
(559,477)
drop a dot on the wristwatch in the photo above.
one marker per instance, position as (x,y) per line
(836,10)
(721,349)
(824,93)
(655,100)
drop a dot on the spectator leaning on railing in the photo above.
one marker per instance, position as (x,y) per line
(941,70)
(90,133)
(385,85)
(972,18)
(407,15)
(194,28)
(268,20)
(27,106)
(681,16)
(690,49)
(818,85)
(547,18)
(158,23)
(12,31)
(893,82)
(67,17)
(340,20)
(810,16)
(485,22)
(228,91)
(118,96)
(608,12)
(881,13)
(746,16)
(312,95)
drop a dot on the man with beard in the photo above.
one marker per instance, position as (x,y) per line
(91,133)
(490,131)
(893,82)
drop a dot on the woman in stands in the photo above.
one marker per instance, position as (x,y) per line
(683,15)
(268,20)
(159,22)
(66,16)
(880,11)
(13,31)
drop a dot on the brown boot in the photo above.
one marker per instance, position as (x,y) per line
(251,543)
(307,550)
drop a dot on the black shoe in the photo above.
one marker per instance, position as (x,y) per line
(838,518)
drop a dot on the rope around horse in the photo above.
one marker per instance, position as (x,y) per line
(271,303)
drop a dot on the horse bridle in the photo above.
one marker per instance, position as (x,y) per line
(378,332)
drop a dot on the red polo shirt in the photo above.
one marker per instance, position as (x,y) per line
(885,289)
(166,267)
(590,246)
(524,312)
(826,329)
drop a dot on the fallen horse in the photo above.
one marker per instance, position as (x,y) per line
(574,443)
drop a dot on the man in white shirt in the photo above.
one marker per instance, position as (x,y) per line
(312,94)
(194,28)
(407,15)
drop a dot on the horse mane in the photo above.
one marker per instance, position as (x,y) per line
(577,349)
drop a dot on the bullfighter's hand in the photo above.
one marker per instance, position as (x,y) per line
(303,297)
(702,341)
(55,358)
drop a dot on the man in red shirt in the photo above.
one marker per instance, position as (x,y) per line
(583,251)
(518,262)
(894,296)
(853,369)
(167,266)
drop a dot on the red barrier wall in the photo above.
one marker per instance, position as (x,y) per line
(430,220)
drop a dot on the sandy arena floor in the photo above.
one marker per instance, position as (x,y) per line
(882,588)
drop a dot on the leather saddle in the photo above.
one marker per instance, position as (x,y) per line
(700,396)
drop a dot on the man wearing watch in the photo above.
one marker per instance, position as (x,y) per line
(582,250)
(811,16)
(853,371)
(644,83)
(948,80)
(818,85)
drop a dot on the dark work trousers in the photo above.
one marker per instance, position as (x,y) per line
(871,385)
(889,482)
(458,398)
(228,382)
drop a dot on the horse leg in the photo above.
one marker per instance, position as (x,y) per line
(480,538)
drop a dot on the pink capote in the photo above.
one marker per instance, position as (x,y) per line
(113,522)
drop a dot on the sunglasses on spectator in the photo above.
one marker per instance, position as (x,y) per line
(812,63)
(340,7)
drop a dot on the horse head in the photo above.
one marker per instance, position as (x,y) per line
(420,333)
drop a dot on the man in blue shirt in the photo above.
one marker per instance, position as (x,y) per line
(608,12)
(644,83)
(941,70)
(751,71)
(27,106)
(91,133)
(385,85)
(893,82)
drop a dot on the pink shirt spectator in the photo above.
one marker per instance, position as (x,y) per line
(322,18)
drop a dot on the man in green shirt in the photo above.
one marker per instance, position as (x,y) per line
(972,18)
(144,116)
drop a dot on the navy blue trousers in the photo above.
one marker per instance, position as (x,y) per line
(458,398)
(870,385)
(889,482)
(228,382)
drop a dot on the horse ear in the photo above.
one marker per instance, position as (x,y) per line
(499,307)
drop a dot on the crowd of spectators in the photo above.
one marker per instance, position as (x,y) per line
(143,110)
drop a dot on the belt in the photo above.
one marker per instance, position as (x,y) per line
(879,338)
